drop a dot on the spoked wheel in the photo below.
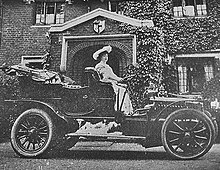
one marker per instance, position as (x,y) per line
(32,133)
(214,122)
(187,134)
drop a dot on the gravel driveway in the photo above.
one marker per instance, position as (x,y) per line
(105,155)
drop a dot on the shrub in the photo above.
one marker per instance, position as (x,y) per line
(212,89)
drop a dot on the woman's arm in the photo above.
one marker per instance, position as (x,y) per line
(107,73)
(114,77)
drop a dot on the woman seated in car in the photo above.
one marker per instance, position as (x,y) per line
(108,75)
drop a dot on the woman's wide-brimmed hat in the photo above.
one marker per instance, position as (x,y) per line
(108,49)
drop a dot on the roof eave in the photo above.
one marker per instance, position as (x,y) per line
(100,12)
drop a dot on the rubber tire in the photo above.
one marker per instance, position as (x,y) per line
(50,139)
(201,115)
(216,129)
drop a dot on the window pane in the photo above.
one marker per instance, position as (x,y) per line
(189,2)
(35,65)
(59,8)
(177,3)
(178,11)
(39,8)
(39,13)
(189,11)
(199,2)
(182,72)
(50,19)
(46,13)
(209,71)
(50,8)
(187,8)
(115,7)
(201,7)
(194,73)
(59,13)
(32,61)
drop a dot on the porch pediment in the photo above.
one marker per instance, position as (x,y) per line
(103,13)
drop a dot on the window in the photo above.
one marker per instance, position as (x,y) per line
(115,7)
(182,73)
(193,73)
(32,61)
(184,8)
(49,13)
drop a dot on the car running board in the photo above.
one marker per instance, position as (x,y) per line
(110,136)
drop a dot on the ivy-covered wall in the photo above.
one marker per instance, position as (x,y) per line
(150,49)
(177,35)
(192,35)
(181,35)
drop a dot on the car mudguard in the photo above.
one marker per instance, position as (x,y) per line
(21,105)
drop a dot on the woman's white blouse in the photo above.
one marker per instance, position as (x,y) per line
(109,76)
(106,72)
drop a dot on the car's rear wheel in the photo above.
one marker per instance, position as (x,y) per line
(33,133)
(187,134)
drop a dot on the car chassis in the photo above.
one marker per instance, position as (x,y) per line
(54,115)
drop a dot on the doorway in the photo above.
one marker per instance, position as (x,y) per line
(83,58)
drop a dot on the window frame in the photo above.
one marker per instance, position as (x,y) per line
(118,10)
(43,14)
(189,64)
(195,9)
(25,60)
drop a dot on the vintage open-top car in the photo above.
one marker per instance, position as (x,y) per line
(55,115)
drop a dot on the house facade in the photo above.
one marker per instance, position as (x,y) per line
(75,41)
(193,42)
(72,30)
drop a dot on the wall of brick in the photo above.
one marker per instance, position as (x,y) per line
(111,27)
(19,37)
(75,10)
(78,8)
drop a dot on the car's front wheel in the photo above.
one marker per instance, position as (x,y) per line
(216,130)
(187,134)
(32,133)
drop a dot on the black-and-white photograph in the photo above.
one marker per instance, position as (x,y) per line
(109,84)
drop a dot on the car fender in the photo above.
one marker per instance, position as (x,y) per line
(24,104)
(171,107)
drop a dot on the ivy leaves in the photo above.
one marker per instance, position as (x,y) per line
(170,36)
(150,56)
(151,51)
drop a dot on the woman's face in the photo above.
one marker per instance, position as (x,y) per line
(104,57)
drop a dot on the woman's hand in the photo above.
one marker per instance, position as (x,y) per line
(125,79)
(129,77)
